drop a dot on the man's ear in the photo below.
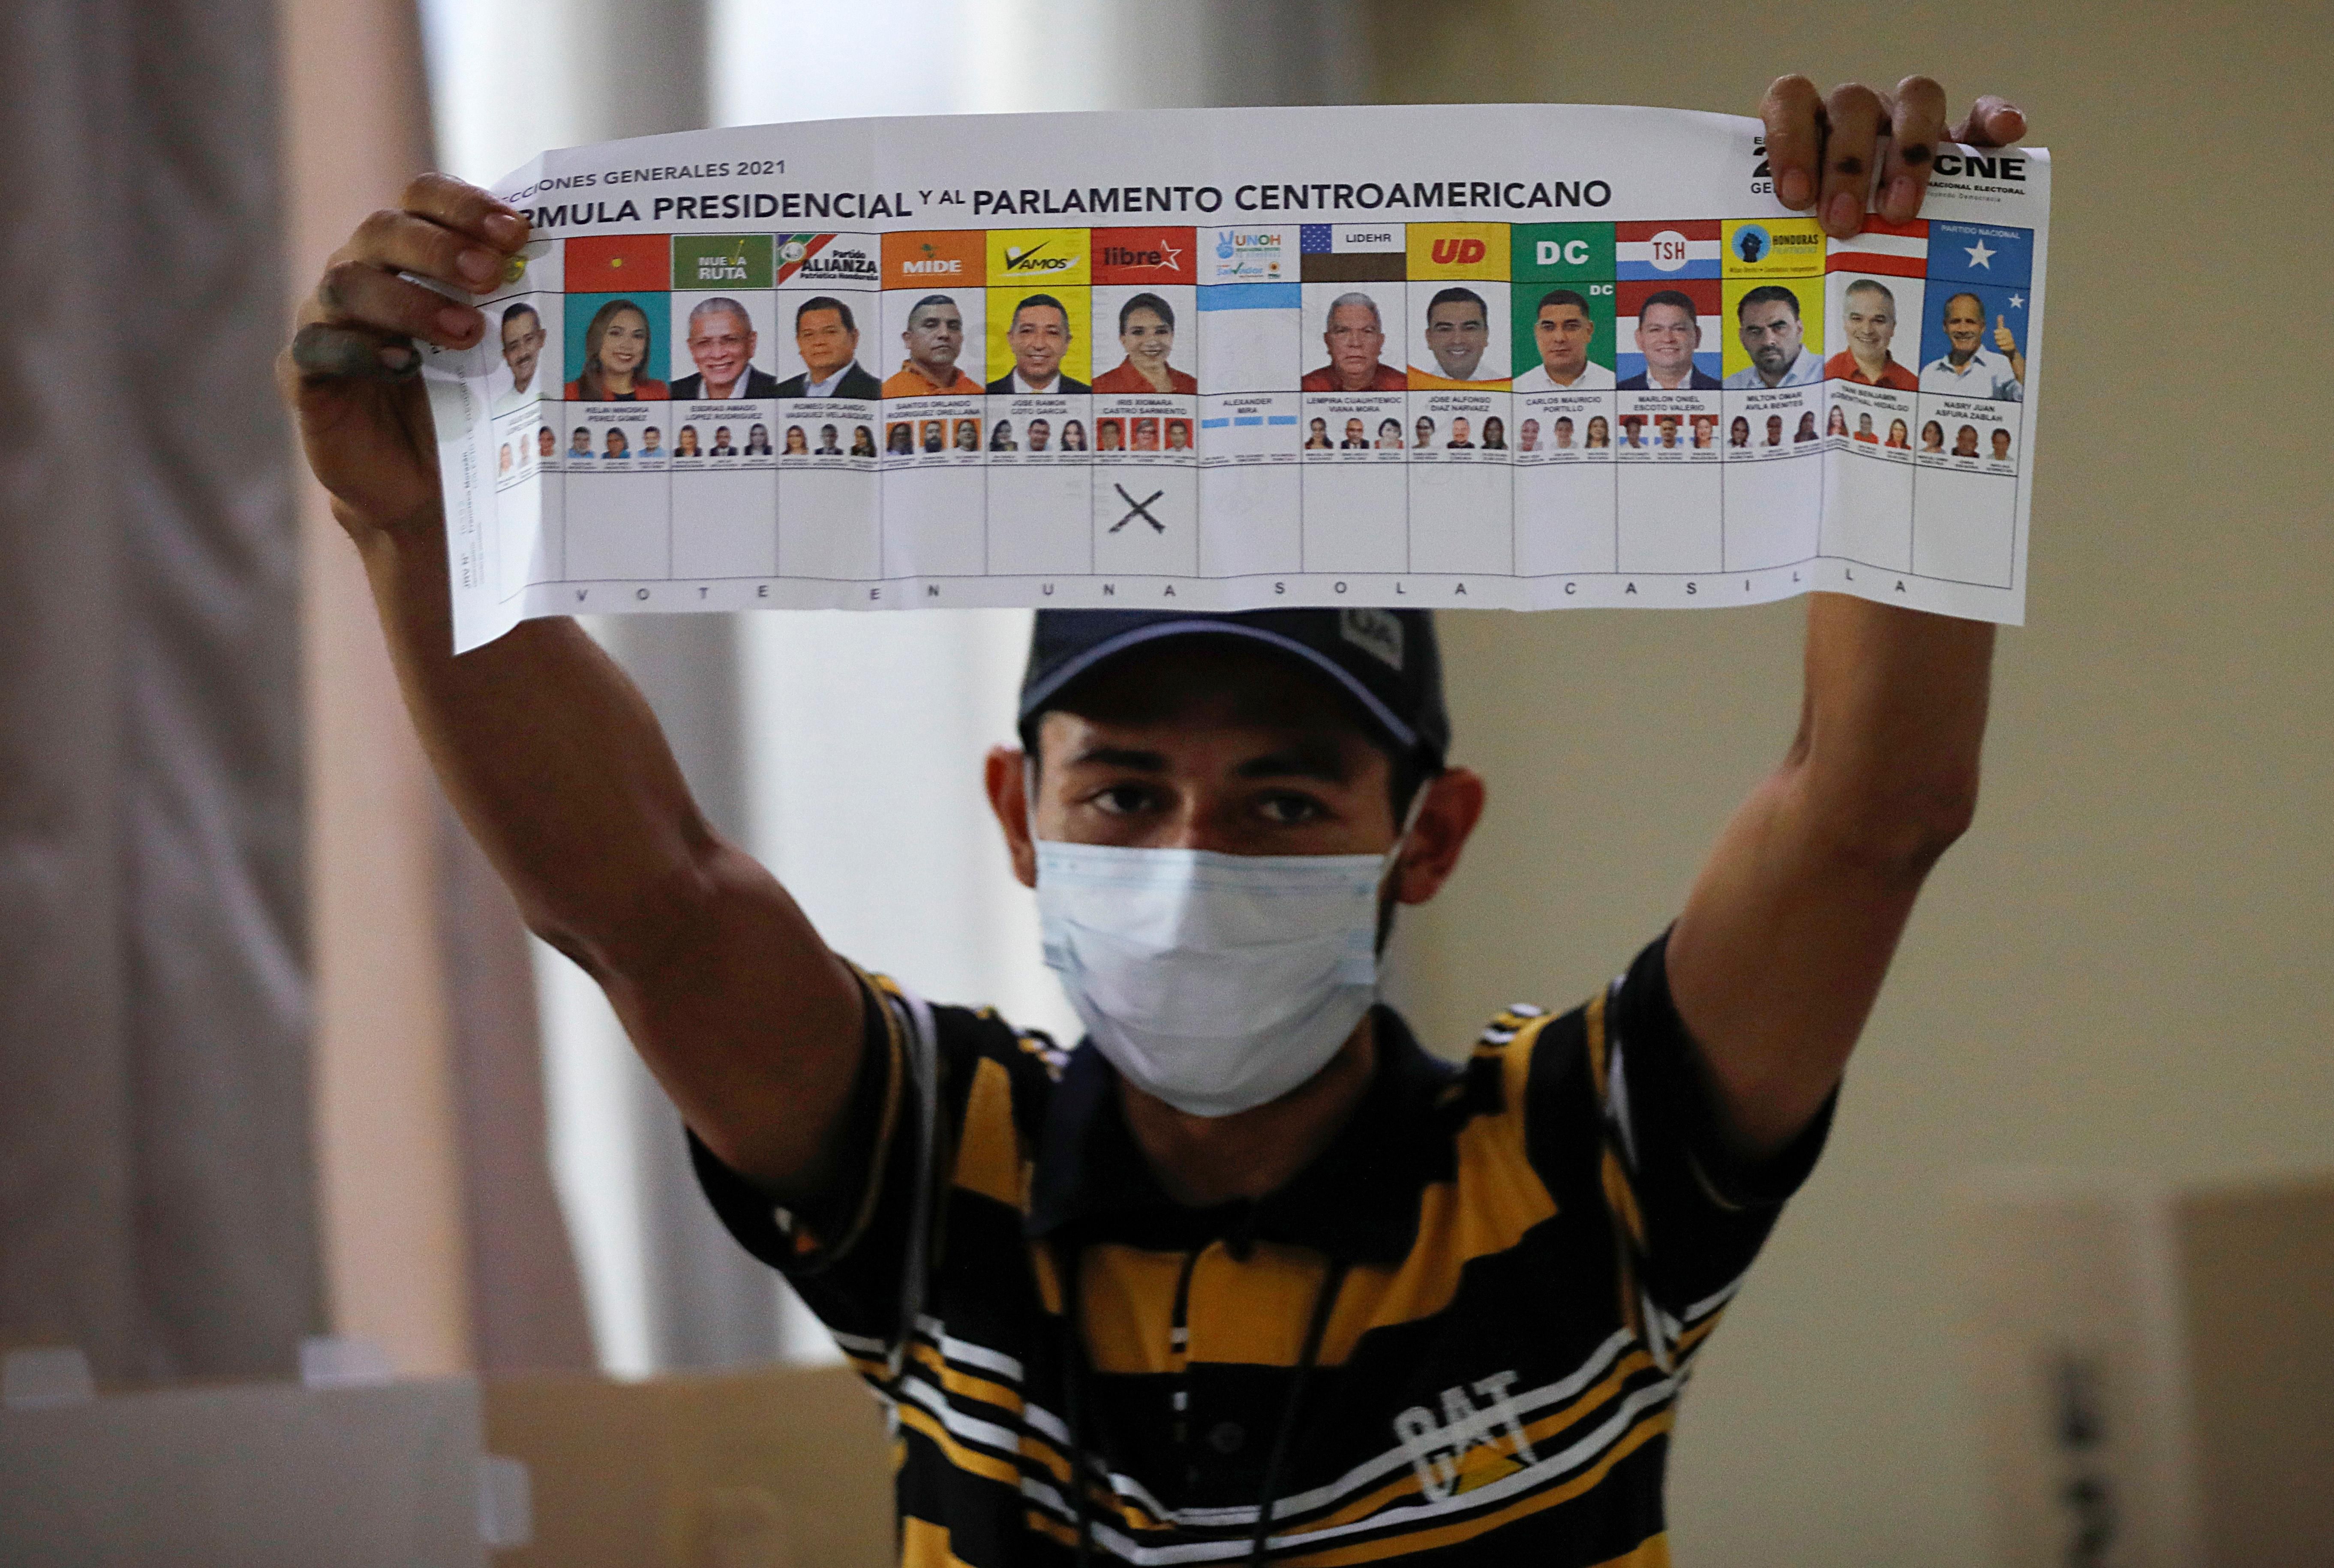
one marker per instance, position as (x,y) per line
(1446,819)
(1006,775)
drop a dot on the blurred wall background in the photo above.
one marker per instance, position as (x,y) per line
(2124,966)
(2127,964)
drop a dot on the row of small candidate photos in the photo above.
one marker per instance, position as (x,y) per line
(1981,434)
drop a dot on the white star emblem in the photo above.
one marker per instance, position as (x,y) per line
(1981,255)
(2018,301)
(1173,252)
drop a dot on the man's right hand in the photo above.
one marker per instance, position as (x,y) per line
(351,373)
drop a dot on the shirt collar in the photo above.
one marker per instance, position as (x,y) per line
(1357,1201)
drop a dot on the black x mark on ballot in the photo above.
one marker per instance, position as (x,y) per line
(1138,509)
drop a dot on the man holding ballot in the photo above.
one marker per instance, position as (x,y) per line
(1248,1274)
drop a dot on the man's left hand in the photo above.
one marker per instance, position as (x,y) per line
(1823,149)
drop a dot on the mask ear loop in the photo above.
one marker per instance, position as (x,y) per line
(1409,821)
(1029,794)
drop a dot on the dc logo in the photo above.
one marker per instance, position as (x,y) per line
(1752,244)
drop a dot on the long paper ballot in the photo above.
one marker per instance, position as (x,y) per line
(1529,356)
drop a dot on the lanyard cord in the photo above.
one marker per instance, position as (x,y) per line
(1074,1368)
(1285,1439)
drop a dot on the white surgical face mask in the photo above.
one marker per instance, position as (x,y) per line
(1215,982)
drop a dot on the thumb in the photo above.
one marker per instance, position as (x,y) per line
(2001,324)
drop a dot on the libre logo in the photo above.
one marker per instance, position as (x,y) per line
(1163,257)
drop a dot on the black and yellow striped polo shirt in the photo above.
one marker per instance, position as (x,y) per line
(1458,1336)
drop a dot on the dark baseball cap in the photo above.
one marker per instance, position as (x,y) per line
(1386,661)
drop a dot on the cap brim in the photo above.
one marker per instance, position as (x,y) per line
(1037,696)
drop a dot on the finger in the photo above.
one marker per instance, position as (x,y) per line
(1991,122)
(405,241)
(1794,115)
(322,351)
(353,294)
(1919,119)
(1855,115)
(467,209)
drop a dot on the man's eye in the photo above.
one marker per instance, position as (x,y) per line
(1123,800)
(1288,811)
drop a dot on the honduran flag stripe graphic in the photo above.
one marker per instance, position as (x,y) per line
(1893,249)
(1668,250)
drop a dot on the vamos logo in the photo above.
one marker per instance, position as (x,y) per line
(1038,258)
(1034,255)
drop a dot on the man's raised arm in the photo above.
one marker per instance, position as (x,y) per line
(548,752)
(1787,933)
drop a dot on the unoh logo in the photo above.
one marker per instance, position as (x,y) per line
(1458,251)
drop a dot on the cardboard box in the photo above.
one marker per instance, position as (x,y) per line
(2153,1371)
(256,1476)
(776,1467)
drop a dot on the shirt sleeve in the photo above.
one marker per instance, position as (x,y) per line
(1625,1088)
(853,1250)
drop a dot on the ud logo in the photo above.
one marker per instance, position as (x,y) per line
(1472,1444)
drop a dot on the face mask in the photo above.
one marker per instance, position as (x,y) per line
(1215,982)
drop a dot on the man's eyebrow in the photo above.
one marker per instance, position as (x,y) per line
(1321,760)
(1121,756)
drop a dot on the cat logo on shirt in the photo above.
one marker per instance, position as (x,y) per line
(1472,1444)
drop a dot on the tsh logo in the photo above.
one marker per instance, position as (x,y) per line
(1472,1443)
(1458,251)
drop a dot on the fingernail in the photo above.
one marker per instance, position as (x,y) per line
(455,321)
(1841,215)
(396,359)
(505,229)
(1797,189)
(479,266)
(1900,201)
